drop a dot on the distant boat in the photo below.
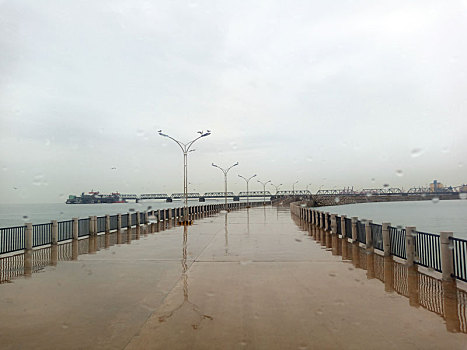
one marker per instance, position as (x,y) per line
(95,197)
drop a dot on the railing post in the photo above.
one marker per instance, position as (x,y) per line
(354,229)
(146,218)
(333,224)
(343,230)
(75,228)
(409,245)
(386,239)
(90,225)
(107,223)
(447,266)
(28,237)
(138,219)
(450,305)
(388,274)
(368,236)
(54,232)
(129,221)
(326,221)
(74,249)
(119,222)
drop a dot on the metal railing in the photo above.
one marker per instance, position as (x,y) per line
(11,239)
(113,222)
(427,250)
(124,220)
(41,234)
(83,227)
(65,230)
(459,257)
(377,235)
(339,225)
(397,242)
(348,227)
(101,223)
(361,233)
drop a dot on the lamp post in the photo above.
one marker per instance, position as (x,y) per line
(225,171)
(185,147)
(247,181)
(276,187)
(264,190)
(293,187)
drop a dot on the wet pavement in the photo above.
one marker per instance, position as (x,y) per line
(254,278)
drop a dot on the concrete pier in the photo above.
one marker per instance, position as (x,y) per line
(247,279)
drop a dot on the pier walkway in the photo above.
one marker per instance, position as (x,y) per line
(249,279)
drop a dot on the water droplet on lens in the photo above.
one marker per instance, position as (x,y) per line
(399,172)
(47,142)
(460,165)
(463,195)
(337,199)
(131,209)
(386,185)
(435,200)
(37,181)
(309,159)
(416,152)
(368,194)
(140,132)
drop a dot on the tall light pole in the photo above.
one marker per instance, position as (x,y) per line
(247,181)
(225,171)
(293,187)
(264,190)
(276,187)
(186,147)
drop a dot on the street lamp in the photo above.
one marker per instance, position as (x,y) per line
(185,147)
(247,180)
(276,187)
(225,171)
(293,187)
(264,190)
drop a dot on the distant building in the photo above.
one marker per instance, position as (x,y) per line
(436,186)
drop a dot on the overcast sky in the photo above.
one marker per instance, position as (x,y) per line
(329,93)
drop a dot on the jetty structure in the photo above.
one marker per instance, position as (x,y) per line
(271,276)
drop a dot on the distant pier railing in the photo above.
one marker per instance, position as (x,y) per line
(442,253)
(29,236)
(441,297)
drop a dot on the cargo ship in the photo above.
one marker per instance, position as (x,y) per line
(94,197)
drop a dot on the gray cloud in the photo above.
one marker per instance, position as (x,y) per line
(333,94)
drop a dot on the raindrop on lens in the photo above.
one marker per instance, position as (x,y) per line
(140,132)
(337,199)
(399,173)
(416,152)
(131,209)
(309,159)
(463,195)
(435,200)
